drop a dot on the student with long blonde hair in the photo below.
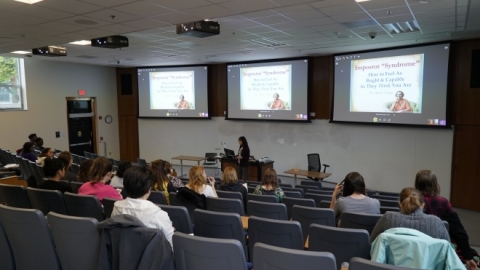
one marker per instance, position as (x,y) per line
(230,182)
(198,182)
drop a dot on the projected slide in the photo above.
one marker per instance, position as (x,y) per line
(405,86)
(262,87)
(378,83)
(173,92)
(272,90)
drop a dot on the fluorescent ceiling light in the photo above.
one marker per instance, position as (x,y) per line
(30,2)
(21,52)
(81,42)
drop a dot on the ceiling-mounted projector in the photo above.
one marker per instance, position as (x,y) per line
(199,29)
(112,42)
(51,51)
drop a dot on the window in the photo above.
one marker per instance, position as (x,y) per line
(12,84)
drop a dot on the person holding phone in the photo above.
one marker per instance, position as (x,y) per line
(200,183)
(353,197)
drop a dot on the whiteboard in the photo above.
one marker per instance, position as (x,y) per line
(387,157)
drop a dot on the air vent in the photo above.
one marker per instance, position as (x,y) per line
(269,43)
(402,27)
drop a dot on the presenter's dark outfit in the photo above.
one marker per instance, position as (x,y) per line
(244,151)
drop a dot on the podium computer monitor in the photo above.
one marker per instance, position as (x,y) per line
(229,153)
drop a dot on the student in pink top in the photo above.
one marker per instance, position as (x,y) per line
(100,173)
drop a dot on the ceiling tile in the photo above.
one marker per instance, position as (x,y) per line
(248,5)
(387,12)
(272,20)
(12,16)
(80,20)
(109,3)
(119,29)
(113,16)
(294,8)
(9,26)
(44,13)
(316,22)
(176,18)
(180,5)
(290,2)
(395,19)
(305,15)
(341,9)
(209,12)
(259,14)
(373,5)
(431,5)
(70,6)
(62,26)
(329,3)
(359,16)
(143,9)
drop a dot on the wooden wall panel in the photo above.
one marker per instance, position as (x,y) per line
(128,114)
(465,171)
(217,89)
(465,99)
(320,86)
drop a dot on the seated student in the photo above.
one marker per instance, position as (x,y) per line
(411,216)
(39,144)
(138,183)
(198,182)
(54,170)
(270,185)
(161,181)
(230,182)
(47,152)
(83,170)
(27,151)
(117,180)
(100,174)
(426,182)
(67,159)
(353,198)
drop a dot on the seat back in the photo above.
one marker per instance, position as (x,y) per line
(47,200)
(320,192)
(225,205)
(343,243)
(312,215)
(389,203)
(81,231)
(292,194)
(142,162)
(306,188)
(6,255)
(311,183)
(314,163)
(157,197)
(75,186)
(324,204)
(14,196)
(36,171)
(302,192)
(318,197)
(87,154)
(290,202)
(390,194)
(229,195)
(108,204)
(359,221)
(180,218)
(76,159)
(219,225)
(261,198)
(269,257)
(383,197)
(210,159)
(176,201)
(198,253)
(250,189)
(357,263)
(74,168)
(384,209)
(279,233)
(29,237)
(83,206)
(267,210)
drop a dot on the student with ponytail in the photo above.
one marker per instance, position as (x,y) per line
(411,216)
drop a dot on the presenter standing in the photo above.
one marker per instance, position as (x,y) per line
(242,157)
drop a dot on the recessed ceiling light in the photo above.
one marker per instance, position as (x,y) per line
(81,42)
(30,2)
(21,52)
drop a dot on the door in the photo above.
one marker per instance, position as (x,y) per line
(81,125)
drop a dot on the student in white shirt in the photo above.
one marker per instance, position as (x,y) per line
(138,183)
(198,182)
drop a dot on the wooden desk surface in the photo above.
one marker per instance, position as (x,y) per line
(245,222)
(191,158)
(308,173)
